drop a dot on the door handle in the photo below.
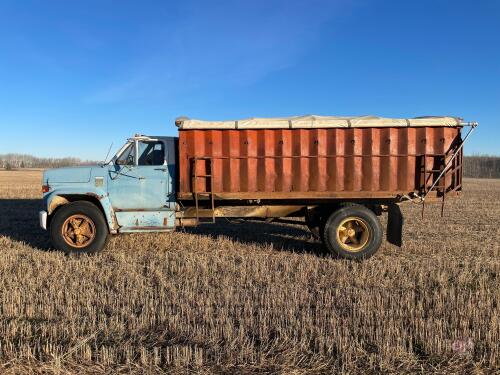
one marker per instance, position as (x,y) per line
(161,169)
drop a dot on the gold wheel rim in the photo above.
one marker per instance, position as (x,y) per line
(353,234)
(78,231)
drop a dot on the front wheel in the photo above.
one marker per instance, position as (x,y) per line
(78,228)
(353,232)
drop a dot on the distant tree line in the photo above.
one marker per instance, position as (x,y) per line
(482,166)
(18,161)
(474,166)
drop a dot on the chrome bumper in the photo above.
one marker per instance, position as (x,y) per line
(42,216)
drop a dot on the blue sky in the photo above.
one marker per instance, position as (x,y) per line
(76,76)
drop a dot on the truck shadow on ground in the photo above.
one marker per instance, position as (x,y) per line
(286,237)
(19,222)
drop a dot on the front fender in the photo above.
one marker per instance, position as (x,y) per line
(62,196)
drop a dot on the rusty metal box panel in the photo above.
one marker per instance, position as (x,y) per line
(321,163)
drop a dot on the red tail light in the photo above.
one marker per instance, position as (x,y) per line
(45,188)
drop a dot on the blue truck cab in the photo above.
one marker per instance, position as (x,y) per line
(134,192)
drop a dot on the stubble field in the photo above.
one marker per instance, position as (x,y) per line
(254,297)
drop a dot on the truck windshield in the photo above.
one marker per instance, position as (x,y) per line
(127,157)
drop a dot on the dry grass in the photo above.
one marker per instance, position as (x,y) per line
(252,297)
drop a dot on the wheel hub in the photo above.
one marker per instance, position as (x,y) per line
(78,231)
(353,234)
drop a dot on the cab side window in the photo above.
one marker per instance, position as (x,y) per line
(151,153)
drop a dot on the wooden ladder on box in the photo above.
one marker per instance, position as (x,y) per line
(209,194)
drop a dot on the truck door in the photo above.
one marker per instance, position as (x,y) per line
(139,185)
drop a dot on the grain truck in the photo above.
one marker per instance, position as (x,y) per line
(337,173)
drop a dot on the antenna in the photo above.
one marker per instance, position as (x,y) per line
(106,158)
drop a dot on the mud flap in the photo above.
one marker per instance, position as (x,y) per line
(395,225)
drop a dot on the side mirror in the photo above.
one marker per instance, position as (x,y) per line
(120,162)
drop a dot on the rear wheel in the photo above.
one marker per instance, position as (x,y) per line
(353,232)
(78,227)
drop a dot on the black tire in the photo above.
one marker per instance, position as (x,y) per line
(353,232)
(91,238)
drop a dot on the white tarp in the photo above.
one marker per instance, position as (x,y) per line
(312,121)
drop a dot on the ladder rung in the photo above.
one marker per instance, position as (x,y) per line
(208,194)
(433,170)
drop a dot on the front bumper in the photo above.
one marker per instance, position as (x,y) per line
(42,216)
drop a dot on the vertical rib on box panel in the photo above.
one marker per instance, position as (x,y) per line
(321,170)
(385,162)
(402,159)
(287,160)
(331,165)
(349,162)
(225,171)
(278,161)
(366,160)
(252,161)
(192,147)
(244,160)
(304,176)
(296,164)
(339,160)
(261,175)
(295,161)
(234,160)
(313,160)
(217,161)
(422,162)
(375,158)
(357,160)
(269,162)
(411,161)
(393,150)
